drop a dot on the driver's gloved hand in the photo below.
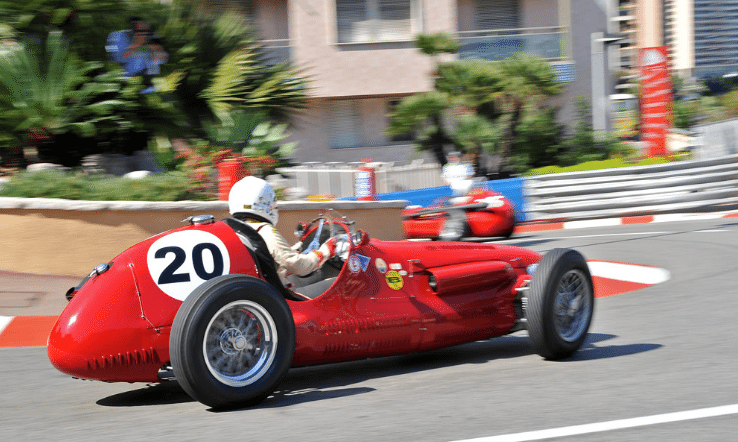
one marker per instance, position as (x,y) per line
(327,250)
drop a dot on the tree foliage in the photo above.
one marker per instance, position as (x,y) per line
(62,86)
(477,105)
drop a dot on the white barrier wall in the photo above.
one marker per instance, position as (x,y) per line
(699,185)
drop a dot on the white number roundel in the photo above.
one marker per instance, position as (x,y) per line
(181,261)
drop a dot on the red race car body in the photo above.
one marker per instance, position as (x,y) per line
(196,304)
(481,213)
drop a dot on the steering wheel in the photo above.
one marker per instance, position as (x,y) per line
(324,230)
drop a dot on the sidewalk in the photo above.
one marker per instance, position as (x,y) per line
(29,305)
(25,294)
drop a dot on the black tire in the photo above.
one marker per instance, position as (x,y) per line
(455,227)
(560,304)
(239,320)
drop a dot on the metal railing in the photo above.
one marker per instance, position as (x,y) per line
(337,179)
(699,185)
(277,50)
(495,44)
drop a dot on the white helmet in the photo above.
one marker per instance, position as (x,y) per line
(253,196)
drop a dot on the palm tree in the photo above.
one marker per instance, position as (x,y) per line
(36,90)
(526,81)
(480,102)
(423,114)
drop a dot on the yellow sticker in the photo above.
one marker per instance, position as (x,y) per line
(394,280)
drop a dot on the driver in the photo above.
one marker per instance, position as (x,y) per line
(252,201)
(457,174)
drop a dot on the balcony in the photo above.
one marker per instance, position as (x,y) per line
(495,44)
(276,51)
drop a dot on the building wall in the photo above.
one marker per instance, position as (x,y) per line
(539,13)
(271,19)
(312,131)
(650,23)
(372,74)
(362,69)
(715,36)
(679,22)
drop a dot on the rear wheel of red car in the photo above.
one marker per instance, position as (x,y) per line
(455,227)
(232,341)
(560,304)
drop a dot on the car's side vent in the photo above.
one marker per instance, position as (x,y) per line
(521,308)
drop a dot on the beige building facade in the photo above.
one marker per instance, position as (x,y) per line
(360,59)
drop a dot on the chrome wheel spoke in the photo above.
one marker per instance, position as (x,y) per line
(240,343)
(571,306)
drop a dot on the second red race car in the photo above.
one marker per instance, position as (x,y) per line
(481,213)
(197,305)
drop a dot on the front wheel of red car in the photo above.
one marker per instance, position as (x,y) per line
(560,304)
(232,341)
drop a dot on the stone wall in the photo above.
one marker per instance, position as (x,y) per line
(69,238)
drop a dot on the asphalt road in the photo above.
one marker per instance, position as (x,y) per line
(664,349)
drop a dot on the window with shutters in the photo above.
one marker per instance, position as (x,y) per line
(366,21)
(497,14)
(343,123)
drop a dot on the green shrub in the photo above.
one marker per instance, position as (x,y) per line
(596,165)
(78,186)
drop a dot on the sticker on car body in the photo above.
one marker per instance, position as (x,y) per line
(181,261)
(394,280)
(381,265)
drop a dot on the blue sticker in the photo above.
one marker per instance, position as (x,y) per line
(364,260)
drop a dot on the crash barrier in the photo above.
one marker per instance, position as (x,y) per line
(697,185)
(69,238)
(338,179)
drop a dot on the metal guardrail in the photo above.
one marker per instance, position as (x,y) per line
(699,185)
(337,179)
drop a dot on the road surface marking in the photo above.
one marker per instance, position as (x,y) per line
(608,222)
(610,234)
(629,272)
(611,425)
(4,321)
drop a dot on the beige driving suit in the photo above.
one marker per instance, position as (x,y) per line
(289,261)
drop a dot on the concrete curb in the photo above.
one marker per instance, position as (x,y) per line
(609,222)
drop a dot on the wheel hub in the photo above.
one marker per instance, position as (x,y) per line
(232,341)
(240,343)
(571,306)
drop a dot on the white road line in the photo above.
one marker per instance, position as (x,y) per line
(711,230)
(671,217)
(609,234)
(629,272)
(611,425)
(4,321)
(608,222)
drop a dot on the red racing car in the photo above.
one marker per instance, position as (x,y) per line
(481,213)
(196,305)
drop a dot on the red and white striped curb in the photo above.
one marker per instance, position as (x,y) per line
(614,278)
(25,331)
(609,278)
(610,222)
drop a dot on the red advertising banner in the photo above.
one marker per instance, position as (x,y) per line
(656,96)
